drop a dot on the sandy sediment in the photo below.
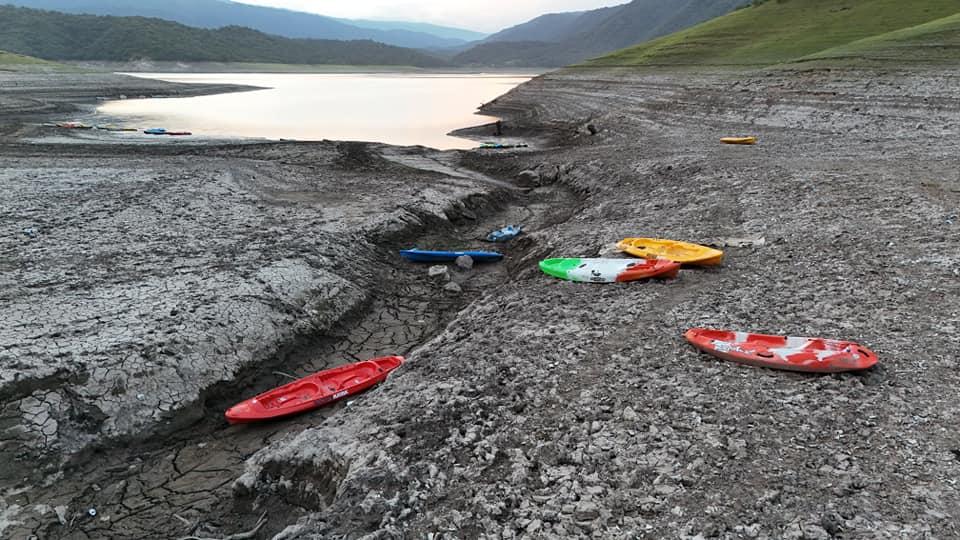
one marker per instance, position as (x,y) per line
(541,408)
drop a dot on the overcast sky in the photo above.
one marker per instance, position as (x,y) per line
(480,15)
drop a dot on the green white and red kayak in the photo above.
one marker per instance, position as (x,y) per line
(609,270)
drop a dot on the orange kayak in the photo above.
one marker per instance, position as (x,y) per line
(739,140)
(314,391)
(672,250)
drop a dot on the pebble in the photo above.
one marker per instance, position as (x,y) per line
(586,511)
(453,288)
(439,271)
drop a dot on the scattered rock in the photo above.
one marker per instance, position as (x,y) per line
(465,262)
(453,287)
(528,178)
(586,511)
(439,272)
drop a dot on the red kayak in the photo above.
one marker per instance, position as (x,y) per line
(780,352)
(314,391)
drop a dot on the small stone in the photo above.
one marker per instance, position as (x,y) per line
(465,262)
(534,526)
(439,271)
(630,415)
(586,511)
(453,288)
(528,178)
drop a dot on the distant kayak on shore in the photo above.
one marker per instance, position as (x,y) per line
(164,131)
(739,140)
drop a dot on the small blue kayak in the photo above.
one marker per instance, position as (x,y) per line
(505,234)
(420,255)
(155,131)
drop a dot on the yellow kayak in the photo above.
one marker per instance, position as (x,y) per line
(680,252)
(739,140)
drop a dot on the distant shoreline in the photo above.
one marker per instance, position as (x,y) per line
(244,67)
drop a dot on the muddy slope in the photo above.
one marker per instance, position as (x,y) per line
(549,409)
(529,407)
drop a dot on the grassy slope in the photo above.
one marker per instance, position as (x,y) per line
(18,63)
(778,31)
(11,59)
(936,42)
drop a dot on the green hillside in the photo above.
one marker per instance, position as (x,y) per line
(57,36)
(778,31)
(936,42)
(11,59)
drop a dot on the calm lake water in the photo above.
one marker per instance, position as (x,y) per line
(402,109)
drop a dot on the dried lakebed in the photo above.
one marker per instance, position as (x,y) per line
(152,286)
(552,409)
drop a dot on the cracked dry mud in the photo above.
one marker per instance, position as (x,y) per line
(529,407)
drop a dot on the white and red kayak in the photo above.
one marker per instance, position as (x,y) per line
(314,391)
(815,355)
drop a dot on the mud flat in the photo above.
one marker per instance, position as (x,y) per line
(160,281)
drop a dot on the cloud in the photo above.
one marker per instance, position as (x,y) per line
(482,15)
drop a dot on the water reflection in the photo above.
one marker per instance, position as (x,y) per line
(403,109)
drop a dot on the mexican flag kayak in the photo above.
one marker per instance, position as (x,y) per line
(314,391)
(608,270)
(815,355)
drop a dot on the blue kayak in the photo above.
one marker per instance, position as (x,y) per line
(155,131)
(420,255)
(505,234)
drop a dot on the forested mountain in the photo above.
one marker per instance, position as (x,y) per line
(281,22)
(58,36)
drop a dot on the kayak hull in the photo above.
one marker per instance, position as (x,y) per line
(423,256)
(810,355)
(505,234)
(609,270)
(739,140)
(314,391)
(672,250)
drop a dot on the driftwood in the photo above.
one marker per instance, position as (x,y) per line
(239,536)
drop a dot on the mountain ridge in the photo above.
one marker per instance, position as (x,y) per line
(212,14)
(53,35)
(573,37)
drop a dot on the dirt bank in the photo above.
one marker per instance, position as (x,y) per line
(540,408)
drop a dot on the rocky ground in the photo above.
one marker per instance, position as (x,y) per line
(160,283)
